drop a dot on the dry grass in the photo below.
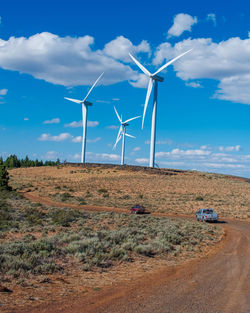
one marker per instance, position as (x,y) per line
(179,193)
(49,253)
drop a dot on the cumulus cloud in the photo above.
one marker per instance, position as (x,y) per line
(112,127)
(204,159)
(75,124)
(94,140)
(230,148)
(161,142)
(58,138)
(99,157)
(182,22)
(222,165)
(179,152)
(212,17)
(142,160)
(227,61)
(69,61)
(137,149)
(92,123)
(193,84)
(77,139)
(3,92)
(50,155)
(52,121)
(120,48)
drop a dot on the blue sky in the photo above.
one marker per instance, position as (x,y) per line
(55,49)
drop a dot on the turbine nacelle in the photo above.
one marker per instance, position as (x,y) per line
(157,77)
(88,103)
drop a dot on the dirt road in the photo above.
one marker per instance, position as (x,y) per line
(217,284)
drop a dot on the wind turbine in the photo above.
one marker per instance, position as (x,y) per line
(85,105)
(122,133)
(153,78)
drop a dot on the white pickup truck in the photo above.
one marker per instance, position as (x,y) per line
(206,215)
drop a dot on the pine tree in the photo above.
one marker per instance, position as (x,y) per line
(4,178)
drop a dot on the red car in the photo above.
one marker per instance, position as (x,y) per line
(137,209)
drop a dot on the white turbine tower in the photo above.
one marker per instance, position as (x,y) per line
(153,78)
(85,105)
(122,134)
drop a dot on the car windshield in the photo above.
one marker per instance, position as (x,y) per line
(208,211)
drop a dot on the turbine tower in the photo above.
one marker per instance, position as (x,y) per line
(153,78)
(85,105)
(122,134)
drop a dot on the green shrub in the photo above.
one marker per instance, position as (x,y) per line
(144,249)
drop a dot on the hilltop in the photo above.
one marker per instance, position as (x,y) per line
(159,190)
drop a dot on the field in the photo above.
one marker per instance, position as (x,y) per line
(162,191)
(47,253)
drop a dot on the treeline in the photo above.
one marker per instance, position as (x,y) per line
(12,161)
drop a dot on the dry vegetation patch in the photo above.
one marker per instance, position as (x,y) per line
(170,192)
(69,250)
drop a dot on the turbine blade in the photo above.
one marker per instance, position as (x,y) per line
(118,115)
(145,71)
(74,100)
(118,137)
(129,135)
(150,85)
(93,87)
(170,62)
(131,119)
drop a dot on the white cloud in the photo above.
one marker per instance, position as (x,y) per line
(103,101)
(94,140)
(230,149)
(50,155)
(92,123)
(120,48)
(116,99)
(75,124)
(142,160)
(193,84)
(171,163)
(58,138)
(95,157)
(222,165)
(212,17)
(77,139)
(204,147)
(52,121)
(26,119)
(3,92)
(182,22)
(112,127)
(140,82)
(227,61)
(137,149)
(68,61)
(179,152)
(161,142)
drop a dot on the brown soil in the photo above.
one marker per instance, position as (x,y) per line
(218,282)
(159,190)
